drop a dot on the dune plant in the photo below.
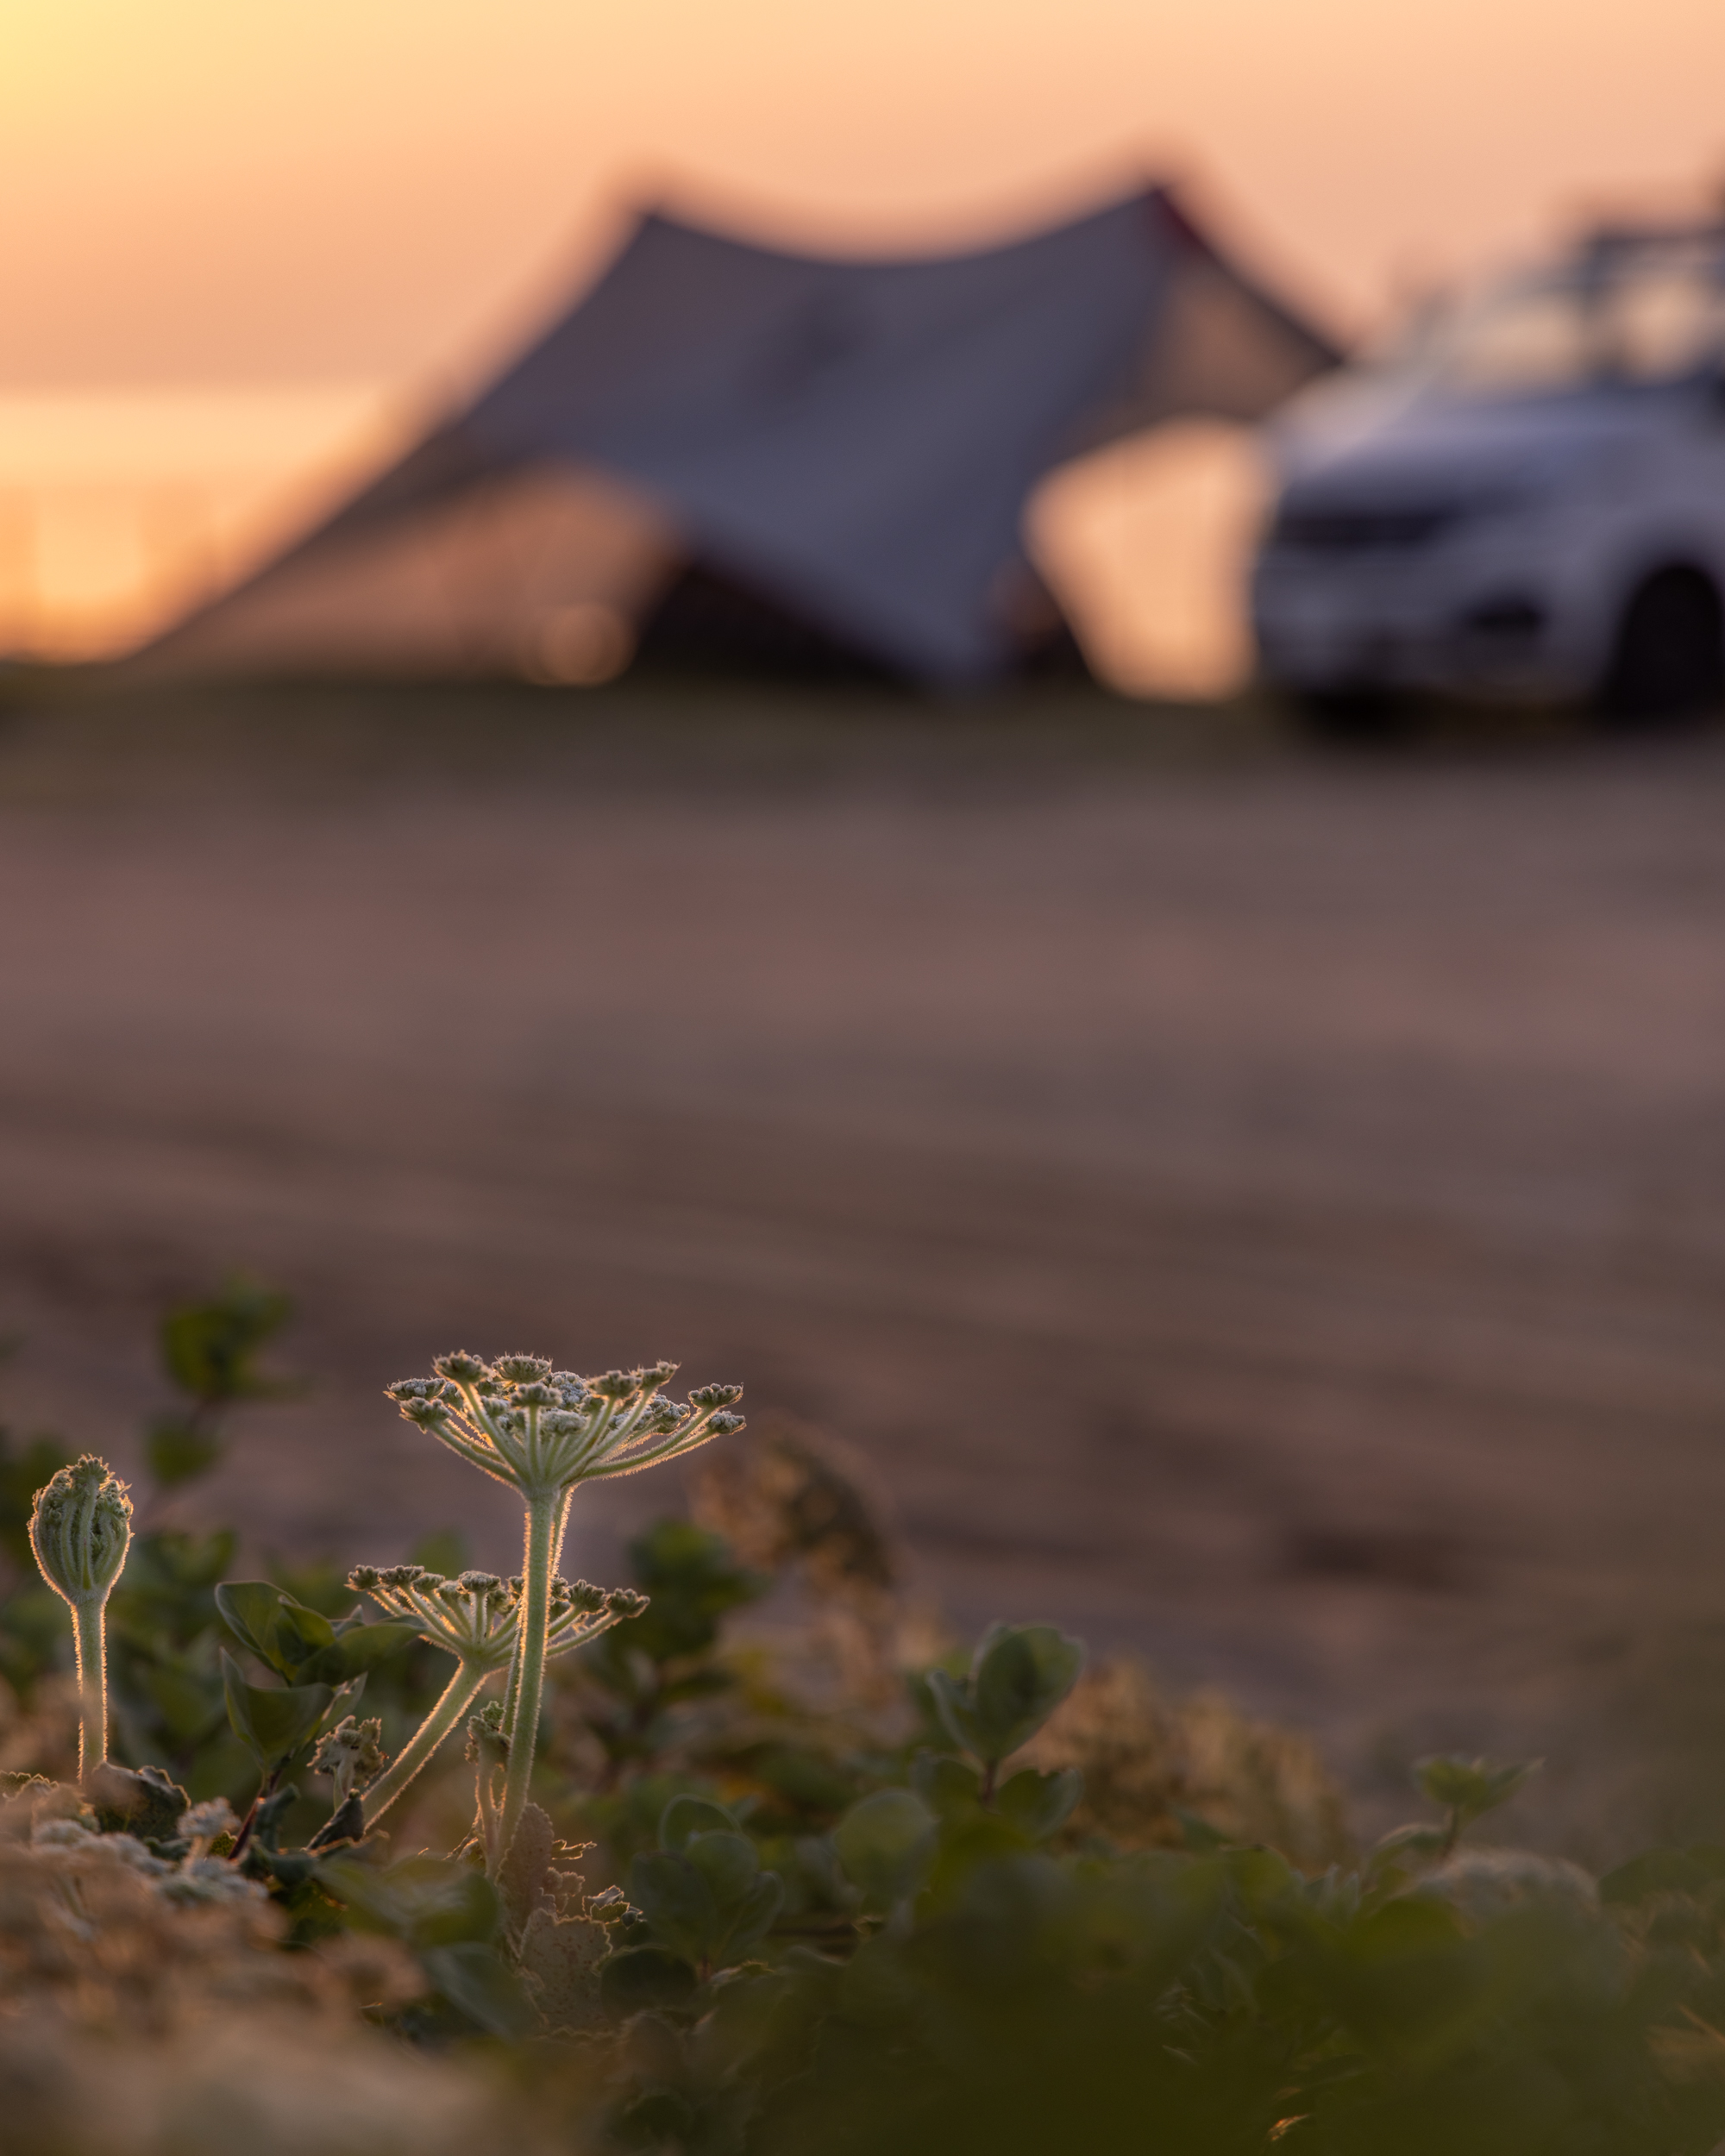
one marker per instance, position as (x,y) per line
(542,1432)
(477,1617)
(80,1529)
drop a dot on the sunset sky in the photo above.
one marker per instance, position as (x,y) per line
(380,195)
(262,189)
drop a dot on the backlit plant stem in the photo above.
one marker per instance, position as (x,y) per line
(546,1511)
(458,1696)
(80,1530)
(90,1638)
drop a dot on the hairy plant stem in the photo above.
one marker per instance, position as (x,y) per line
(458,1696)
(546,1511)
(89,1632)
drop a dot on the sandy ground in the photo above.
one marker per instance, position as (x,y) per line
(1263,1206)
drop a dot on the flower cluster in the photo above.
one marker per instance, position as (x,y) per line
(477,1616)
(542,1430)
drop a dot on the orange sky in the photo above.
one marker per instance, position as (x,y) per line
(293,190)
(335,212)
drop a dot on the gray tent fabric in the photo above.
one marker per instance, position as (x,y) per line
(854,440)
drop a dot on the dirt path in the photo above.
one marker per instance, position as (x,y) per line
(1266,1208)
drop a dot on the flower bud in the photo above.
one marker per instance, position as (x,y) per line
(522,1369)
(715,1396)
(488,1738)
(352,1754)
(461,1368)
(79,1529)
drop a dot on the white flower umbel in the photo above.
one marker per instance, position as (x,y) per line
(476,1618)
(543,1431)
(80,1529)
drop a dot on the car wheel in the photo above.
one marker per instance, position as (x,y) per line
(1669,662)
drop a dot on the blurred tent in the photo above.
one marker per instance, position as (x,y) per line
(727,455)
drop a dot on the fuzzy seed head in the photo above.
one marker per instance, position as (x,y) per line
(80,1527)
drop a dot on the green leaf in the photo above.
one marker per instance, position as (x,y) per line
(676,1902)
(1470,1787)
(966,1847)
(178,1452)
(886,1844)
(209,1348)
(685,1815)
(1022,1674)
(1419,1843)
(751,1921)
(354,1653)
(728,1864)
(1404,1975)
(188,1703)
(1199,1836)
(272,1725)
(476,1978)
(1263,1879)
(1019,1676)
(692,1579)
(952,1788)
(642,1980)
(279,1631)
(302,1632)
(424,1901)
(1664,1872)
(954,1705)
(1039,1804)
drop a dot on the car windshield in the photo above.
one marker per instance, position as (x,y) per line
(1639,313)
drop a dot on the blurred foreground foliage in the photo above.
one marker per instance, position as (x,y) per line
(836,1887)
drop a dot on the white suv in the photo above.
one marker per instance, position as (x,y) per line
(1526,498)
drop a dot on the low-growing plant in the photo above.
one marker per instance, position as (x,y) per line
(544,1432)
(834,1935)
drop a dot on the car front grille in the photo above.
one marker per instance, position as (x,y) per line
(1360,531)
